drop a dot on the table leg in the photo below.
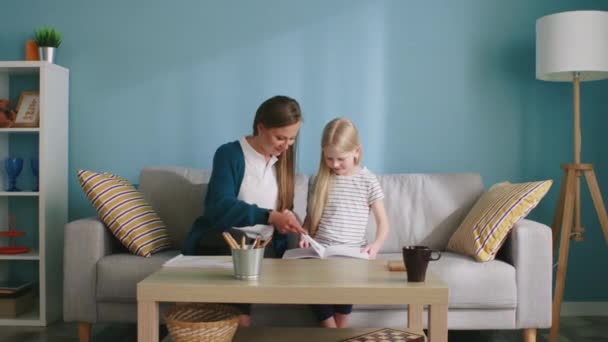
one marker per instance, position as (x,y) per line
(438,323)
(414,317)
(147,321)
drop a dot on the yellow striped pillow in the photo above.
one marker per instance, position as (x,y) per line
(125,212)
(486,226)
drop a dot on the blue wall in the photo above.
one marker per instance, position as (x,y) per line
(434,86)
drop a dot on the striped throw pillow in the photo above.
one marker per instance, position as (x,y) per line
(125,212)
(486,226)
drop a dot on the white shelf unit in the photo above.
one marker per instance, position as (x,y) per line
(19,193)
(51,142)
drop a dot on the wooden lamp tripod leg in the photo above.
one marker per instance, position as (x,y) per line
(559,211)
(567,214)
(564,245)
(598,202)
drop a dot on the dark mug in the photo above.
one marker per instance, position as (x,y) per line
(416,260)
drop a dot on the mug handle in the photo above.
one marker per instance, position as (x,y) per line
(438,256)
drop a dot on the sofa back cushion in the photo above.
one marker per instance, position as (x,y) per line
(177,194)
(425,209)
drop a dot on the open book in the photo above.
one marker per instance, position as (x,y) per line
(316,250)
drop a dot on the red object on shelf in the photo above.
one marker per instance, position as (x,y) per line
(14,250)
(12,233)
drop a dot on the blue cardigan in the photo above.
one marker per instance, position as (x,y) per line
(223,209)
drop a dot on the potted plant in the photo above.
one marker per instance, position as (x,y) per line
(48,39)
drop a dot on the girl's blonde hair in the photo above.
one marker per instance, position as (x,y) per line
(341,135)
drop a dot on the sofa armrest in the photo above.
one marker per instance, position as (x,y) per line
(529,250)
(85,242)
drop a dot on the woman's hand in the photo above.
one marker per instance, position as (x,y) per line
(303,242)
(372,250)
(285,222)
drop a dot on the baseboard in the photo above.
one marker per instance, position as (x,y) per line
(584,309)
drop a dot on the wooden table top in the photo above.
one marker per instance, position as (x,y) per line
(295,281)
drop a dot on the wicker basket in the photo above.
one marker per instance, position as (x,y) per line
(201,322)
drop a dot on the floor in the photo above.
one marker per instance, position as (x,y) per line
(572,329)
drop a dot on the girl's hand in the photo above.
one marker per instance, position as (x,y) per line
(303,242)
(372,250)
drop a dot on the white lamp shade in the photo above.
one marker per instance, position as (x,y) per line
(571,42)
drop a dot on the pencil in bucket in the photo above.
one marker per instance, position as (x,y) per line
(246,259)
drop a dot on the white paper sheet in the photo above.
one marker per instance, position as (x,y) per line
(197,262)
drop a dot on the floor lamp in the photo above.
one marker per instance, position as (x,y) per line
(572,47)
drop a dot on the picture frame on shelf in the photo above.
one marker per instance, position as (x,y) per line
(28,110)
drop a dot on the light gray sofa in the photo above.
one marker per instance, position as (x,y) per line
(512,292)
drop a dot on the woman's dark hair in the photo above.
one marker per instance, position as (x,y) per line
(281,111)
(277,111)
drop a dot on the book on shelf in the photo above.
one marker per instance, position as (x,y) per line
(318,251)
(387,335)
(13,306)
(12,288)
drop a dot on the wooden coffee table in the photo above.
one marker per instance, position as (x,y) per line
(303,281)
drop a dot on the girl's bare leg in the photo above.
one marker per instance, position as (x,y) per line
(341,320)
(329,323)
(244,321)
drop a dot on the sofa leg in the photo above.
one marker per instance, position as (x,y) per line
(84,332)
(530,335)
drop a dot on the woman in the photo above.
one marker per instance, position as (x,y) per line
(251,189)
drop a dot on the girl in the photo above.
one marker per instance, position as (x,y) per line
(343,193)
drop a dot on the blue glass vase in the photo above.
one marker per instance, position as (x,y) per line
(34,164)
(13,167)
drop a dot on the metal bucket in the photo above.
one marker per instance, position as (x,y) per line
(247,263)
(47,53)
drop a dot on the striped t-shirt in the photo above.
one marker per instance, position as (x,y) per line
(346,212)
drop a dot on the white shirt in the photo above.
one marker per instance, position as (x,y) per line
(259,187)
(344,218)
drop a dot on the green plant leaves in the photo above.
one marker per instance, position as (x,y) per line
(48,36)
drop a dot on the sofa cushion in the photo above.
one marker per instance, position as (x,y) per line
(425,209)
(301,196)
(486,227)
(473,285)
(125,212)
(177,194)
(118,274)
